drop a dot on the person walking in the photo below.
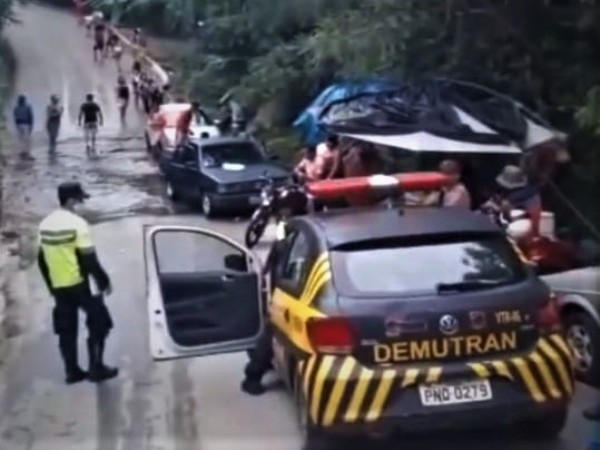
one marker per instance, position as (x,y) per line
(90,116)
(54,112)
(77,281)
(123,95)
(23,119)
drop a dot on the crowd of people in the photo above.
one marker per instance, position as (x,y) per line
(138,84)
(335,158)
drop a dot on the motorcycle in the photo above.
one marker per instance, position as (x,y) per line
(276,202)
(548,255)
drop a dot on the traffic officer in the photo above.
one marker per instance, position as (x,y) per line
(72,272)
(261,356)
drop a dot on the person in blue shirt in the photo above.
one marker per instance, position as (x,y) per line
(23,119)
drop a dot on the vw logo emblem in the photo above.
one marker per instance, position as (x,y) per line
(449,325)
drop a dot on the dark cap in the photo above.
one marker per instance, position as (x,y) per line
(71,191)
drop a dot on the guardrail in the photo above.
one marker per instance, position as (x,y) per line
(159,73)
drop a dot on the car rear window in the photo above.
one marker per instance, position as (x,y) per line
(424,264)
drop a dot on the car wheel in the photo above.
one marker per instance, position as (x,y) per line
(313,438)
(171,192)
(546,427)
(206,204)
(583,335)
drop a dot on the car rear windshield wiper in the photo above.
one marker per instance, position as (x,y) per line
(463,286)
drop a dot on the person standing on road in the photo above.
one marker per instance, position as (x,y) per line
(99,40)
(23,119)
(261,356)
(69,265)
(184,123)
(90,116)
(54,112)
(123,97)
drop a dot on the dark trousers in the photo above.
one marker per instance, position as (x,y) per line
(66,321)
(261,356)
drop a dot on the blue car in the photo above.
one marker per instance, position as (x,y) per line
(221,174)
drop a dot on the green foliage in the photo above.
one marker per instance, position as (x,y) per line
(290,49)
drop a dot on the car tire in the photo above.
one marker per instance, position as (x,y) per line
(583,334)
(207,207)
(171,192)
(255,229)
(547,427)
(313,437)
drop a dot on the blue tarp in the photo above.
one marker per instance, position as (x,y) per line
(307,123)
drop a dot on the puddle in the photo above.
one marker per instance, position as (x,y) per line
(121,180)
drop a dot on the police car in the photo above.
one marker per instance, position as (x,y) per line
(384,318)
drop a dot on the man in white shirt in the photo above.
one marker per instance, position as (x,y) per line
(455,194)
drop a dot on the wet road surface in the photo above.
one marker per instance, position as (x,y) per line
(180,405)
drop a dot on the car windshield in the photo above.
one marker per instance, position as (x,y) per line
(426,265)
(231,153)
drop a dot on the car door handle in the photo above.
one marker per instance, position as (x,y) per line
(227,278)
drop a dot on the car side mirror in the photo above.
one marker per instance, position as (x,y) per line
(237,263)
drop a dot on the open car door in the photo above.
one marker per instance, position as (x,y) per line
(203,290)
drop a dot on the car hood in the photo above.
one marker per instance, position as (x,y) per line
(235,173)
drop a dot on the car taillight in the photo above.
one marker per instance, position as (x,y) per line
(331,335)
(548,316)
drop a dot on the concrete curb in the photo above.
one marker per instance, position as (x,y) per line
(159,73)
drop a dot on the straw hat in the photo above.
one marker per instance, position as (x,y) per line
(512,177)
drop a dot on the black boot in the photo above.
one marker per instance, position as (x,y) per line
(68,351)
(98,370)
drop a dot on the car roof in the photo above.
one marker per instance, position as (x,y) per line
(344,226)
(222,140)
(174,107)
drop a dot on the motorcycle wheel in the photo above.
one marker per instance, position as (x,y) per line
(256,229)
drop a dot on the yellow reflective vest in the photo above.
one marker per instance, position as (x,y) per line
(61,235)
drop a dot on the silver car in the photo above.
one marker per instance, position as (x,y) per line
(579,296)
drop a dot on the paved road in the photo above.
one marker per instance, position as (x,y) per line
(182,405)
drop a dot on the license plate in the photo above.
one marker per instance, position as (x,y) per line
(453,394)
(254,200)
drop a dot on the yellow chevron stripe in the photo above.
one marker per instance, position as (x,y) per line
(559,365)
(530,383)
(546,375)
(433,375)
(382,394)
(338,391)
(480,370)
(358,397)
(317,391)
(502,369)
(322,259)
(519,252)
(324,277)
(562,345)
(410,377)
(309,370)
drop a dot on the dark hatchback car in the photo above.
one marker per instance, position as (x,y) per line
(222,174)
